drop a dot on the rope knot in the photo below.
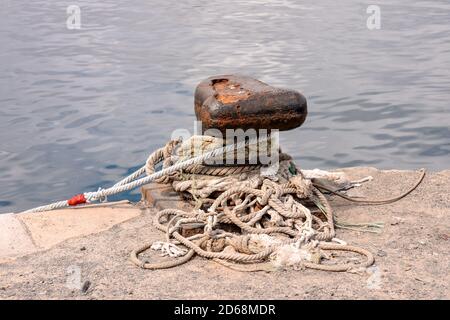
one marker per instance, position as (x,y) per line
(241,244)
(101,195)
(303,186)
(211,222)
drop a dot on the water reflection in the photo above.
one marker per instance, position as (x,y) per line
(82,108)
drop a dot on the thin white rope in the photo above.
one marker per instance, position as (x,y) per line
(131,177)
(130,182)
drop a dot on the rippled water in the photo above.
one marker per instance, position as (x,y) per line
(82,108)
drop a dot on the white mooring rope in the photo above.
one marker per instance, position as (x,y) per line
(130,182)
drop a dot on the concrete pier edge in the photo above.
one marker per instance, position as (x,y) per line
(25,233)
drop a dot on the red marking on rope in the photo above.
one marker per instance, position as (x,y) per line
(76,200)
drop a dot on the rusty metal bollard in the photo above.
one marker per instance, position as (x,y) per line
(232,102)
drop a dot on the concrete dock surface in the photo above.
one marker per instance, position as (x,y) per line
(83,253)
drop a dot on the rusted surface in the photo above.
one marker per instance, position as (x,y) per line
(227,92)
(162,196)
(231,102)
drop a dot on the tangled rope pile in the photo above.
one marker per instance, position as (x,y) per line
(245,219)
(248,217)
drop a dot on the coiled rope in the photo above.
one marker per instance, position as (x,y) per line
(271,214)
(271,225)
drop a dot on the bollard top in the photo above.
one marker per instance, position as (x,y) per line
(235,101)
